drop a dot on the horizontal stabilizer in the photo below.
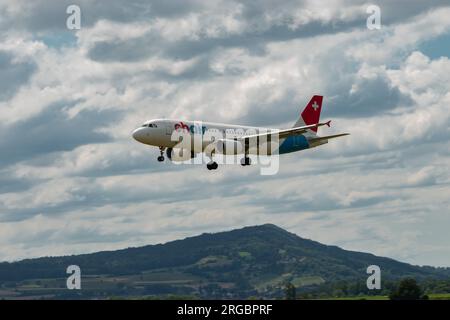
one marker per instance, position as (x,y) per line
(319,139)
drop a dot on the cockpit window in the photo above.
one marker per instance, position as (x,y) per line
(150,125)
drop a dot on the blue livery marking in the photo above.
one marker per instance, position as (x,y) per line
(293,143)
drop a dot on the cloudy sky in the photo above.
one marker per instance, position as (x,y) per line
(73,181)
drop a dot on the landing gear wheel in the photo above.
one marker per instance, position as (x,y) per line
(246,161)
(212,166)
(161,152)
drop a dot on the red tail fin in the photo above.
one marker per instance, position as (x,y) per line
(311,113)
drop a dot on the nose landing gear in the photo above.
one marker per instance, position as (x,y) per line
(161,151)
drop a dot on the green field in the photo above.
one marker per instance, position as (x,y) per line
(432,296)
(439,296)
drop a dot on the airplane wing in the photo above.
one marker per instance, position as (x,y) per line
(285,132)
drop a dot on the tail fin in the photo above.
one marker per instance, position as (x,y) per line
(311,113)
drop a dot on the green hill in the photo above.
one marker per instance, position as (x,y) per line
(252,261)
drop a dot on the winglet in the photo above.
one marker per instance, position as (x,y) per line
(328,123)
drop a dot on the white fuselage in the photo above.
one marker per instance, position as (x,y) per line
(162,132)
(182,140)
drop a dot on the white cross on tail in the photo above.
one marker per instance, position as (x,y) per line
(315,106)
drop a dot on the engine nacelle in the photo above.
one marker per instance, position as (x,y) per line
(179,154)
(229,147)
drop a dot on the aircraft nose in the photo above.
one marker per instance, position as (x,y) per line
(138,134)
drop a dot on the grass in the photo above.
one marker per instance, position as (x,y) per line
(245,254)
(439,296)
(213,261)
(432,296)
(307,281)
(361,298)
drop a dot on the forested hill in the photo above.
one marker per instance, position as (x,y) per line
(252,259)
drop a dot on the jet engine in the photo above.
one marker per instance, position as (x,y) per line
(229,147)
(179,154)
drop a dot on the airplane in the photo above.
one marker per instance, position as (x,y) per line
(230,139)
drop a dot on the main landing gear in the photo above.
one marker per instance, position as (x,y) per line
(161,151)
(246,161)
(212,165)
